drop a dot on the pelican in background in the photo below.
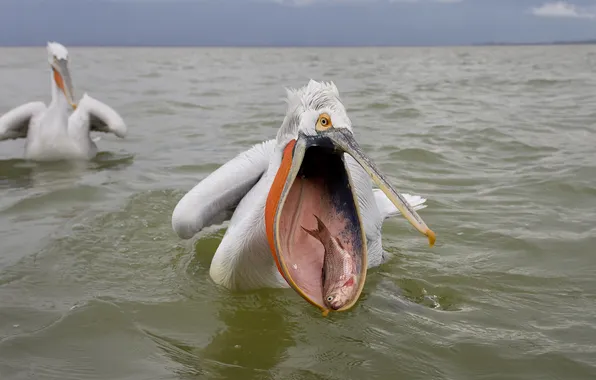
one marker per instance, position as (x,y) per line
(313,167)
(49,131)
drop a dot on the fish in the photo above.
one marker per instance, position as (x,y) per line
(339,268)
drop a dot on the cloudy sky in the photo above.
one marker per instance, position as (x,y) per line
(294,22)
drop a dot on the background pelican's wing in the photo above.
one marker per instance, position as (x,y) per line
(98,116)
(15,123)
(214,199)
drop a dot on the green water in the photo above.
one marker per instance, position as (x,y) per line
(94,284)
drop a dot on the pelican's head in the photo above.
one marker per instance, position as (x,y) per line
(313,179)
(58,58)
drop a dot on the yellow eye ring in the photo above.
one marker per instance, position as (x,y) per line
(324,122)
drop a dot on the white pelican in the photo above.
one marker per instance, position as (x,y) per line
(314,166)
(51,134)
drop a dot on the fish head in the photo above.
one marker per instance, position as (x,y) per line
(340,293)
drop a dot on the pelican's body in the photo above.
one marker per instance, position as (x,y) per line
(52,132)
(255,252)
(239,188)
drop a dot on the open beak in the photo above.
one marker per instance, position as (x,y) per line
(63,80)
(313,179)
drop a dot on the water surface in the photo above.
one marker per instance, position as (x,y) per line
(94,284)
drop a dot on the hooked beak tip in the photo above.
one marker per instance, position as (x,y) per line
(432,237)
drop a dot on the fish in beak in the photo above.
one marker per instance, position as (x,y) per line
(63,80)
(313,178)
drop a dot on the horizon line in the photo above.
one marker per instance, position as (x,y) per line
(537,43)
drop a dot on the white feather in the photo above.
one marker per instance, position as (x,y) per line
(15,123)
(388,209)
(93,115)
(57,50)
(221,191)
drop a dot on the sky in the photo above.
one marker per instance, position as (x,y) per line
(294,22)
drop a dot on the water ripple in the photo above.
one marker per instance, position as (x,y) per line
(95,284)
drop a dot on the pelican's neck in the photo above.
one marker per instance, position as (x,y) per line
(58,98)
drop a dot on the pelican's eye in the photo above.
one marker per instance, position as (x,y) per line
(323,123)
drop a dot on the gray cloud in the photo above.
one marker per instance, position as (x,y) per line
(564,9)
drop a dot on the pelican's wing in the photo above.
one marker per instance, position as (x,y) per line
(15,123)
(98,117)
(214,199)
(388,209)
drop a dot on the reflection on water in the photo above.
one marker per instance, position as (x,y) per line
(253,340)
(15,173)
(20,173)
(256,338)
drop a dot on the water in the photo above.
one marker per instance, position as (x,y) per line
(94,284)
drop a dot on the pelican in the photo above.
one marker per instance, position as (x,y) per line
(314,166)
(49,131)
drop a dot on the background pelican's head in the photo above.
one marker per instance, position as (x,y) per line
(58,59)
(313,179)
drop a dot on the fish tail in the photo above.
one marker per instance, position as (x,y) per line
(321,233)
(321,228)
(313,233)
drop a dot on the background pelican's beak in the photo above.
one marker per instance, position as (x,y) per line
(344,139)
(63,80)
